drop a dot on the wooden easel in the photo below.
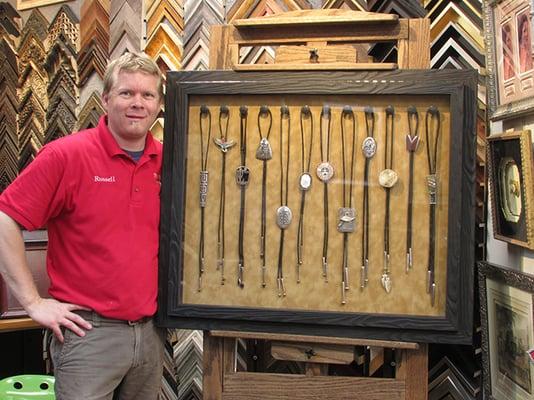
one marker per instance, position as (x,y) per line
(222,381)
(317,40)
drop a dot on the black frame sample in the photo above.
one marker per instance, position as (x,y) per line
(454,327)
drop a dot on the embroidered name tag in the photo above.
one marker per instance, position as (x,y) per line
(106,179)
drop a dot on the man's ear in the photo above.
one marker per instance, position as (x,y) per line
(105,98)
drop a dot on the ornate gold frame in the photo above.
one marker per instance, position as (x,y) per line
(505,149)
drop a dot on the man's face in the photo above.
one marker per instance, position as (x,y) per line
(132,105)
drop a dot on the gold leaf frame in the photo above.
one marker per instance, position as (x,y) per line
(517,145)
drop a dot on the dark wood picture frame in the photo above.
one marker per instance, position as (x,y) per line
(506,305)
(454,327)
(510,153)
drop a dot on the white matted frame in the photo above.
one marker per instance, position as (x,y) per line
(510,64)
(507,332)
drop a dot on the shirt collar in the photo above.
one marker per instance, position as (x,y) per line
(111,145)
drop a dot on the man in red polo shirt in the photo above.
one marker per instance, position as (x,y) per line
(97,192)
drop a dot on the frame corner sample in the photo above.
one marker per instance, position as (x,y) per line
(320,203)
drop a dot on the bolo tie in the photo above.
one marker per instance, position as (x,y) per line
(412,142)
(224,145)
(264,153)
(305,179)
(283,213)
(204,117)
(432,131)
(325,172)
(368,150)
(346,214)
(387,179)
(242,176)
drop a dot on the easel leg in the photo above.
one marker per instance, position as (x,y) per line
(213,367)
(413,369)
(218,361)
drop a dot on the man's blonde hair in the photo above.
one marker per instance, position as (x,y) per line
(131,62)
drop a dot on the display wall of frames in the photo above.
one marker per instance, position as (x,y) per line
(329,203)
(510,175)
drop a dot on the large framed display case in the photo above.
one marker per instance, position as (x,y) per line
(323,203)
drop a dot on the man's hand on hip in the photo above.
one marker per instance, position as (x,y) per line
(53,314)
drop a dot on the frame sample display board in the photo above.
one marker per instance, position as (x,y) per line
(323,203)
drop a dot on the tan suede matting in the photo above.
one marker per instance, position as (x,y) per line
(408,295)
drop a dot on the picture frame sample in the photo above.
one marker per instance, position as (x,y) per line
(395,303)
(28,4)
(510,176)
(507,332)
(509,61)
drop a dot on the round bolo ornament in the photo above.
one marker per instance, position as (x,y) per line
(388,178)
(369,147)
(283,217)
(325,171)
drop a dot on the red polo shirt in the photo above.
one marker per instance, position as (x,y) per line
(102,214)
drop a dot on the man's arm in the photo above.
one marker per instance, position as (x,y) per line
(15,271)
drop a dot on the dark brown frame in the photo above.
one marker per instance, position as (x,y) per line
(509,278)
(454,327)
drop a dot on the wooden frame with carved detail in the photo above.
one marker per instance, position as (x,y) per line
(253,308)
(510,176)
(506,303)
(510,63)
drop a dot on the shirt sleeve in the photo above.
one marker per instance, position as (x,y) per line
(38,193)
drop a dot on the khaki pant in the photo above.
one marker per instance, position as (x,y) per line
(114,360)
